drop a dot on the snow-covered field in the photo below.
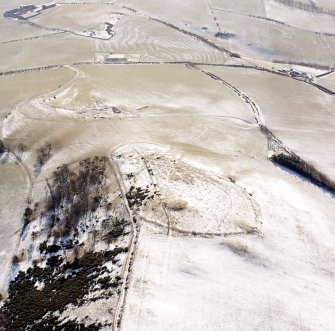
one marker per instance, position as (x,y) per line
(167,165)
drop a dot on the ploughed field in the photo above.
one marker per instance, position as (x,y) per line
(167,165)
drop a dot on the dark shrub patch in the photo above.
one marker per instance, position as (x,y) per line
(305,169)
(2,147)
(74,194)
(27,304)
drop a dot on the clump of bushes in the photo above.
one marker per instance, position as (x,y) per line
(118,229)
(2,147)
(136,196)
(17,258)
(43,156)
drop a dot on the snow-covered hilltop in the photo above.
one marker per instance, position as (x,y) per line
(167,165)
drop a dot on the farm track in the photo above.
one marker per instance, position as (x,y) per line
(252,105)
(29,199)
(30,38)
(155,184)
(74,64)
(273,142)
(132,248)
(185,32)
(276,146)
(154,174)
(57,30)
(318,86)
(213,16)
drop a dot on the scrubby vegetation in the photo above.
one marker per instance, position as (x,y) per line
(305,169)
(75,194)
(43,155)
(2,322)
(118,229)
(31,308)
(64,267)
(136,196)
(2,147)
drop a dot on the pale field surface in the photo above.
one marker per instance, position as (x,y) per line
(155,41)
(78,18)
(17,3)
(327,81)
(170,89)
(56,49)
(291,109)
(183,187)
(107,135)
(15,89)
(316,22)
(161,123)
(252,7)
(198,12)
(313,145)
(272,41)
(11,30)
(326,4)
(277,67)
(14,186)
(227,239)
(244,282)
